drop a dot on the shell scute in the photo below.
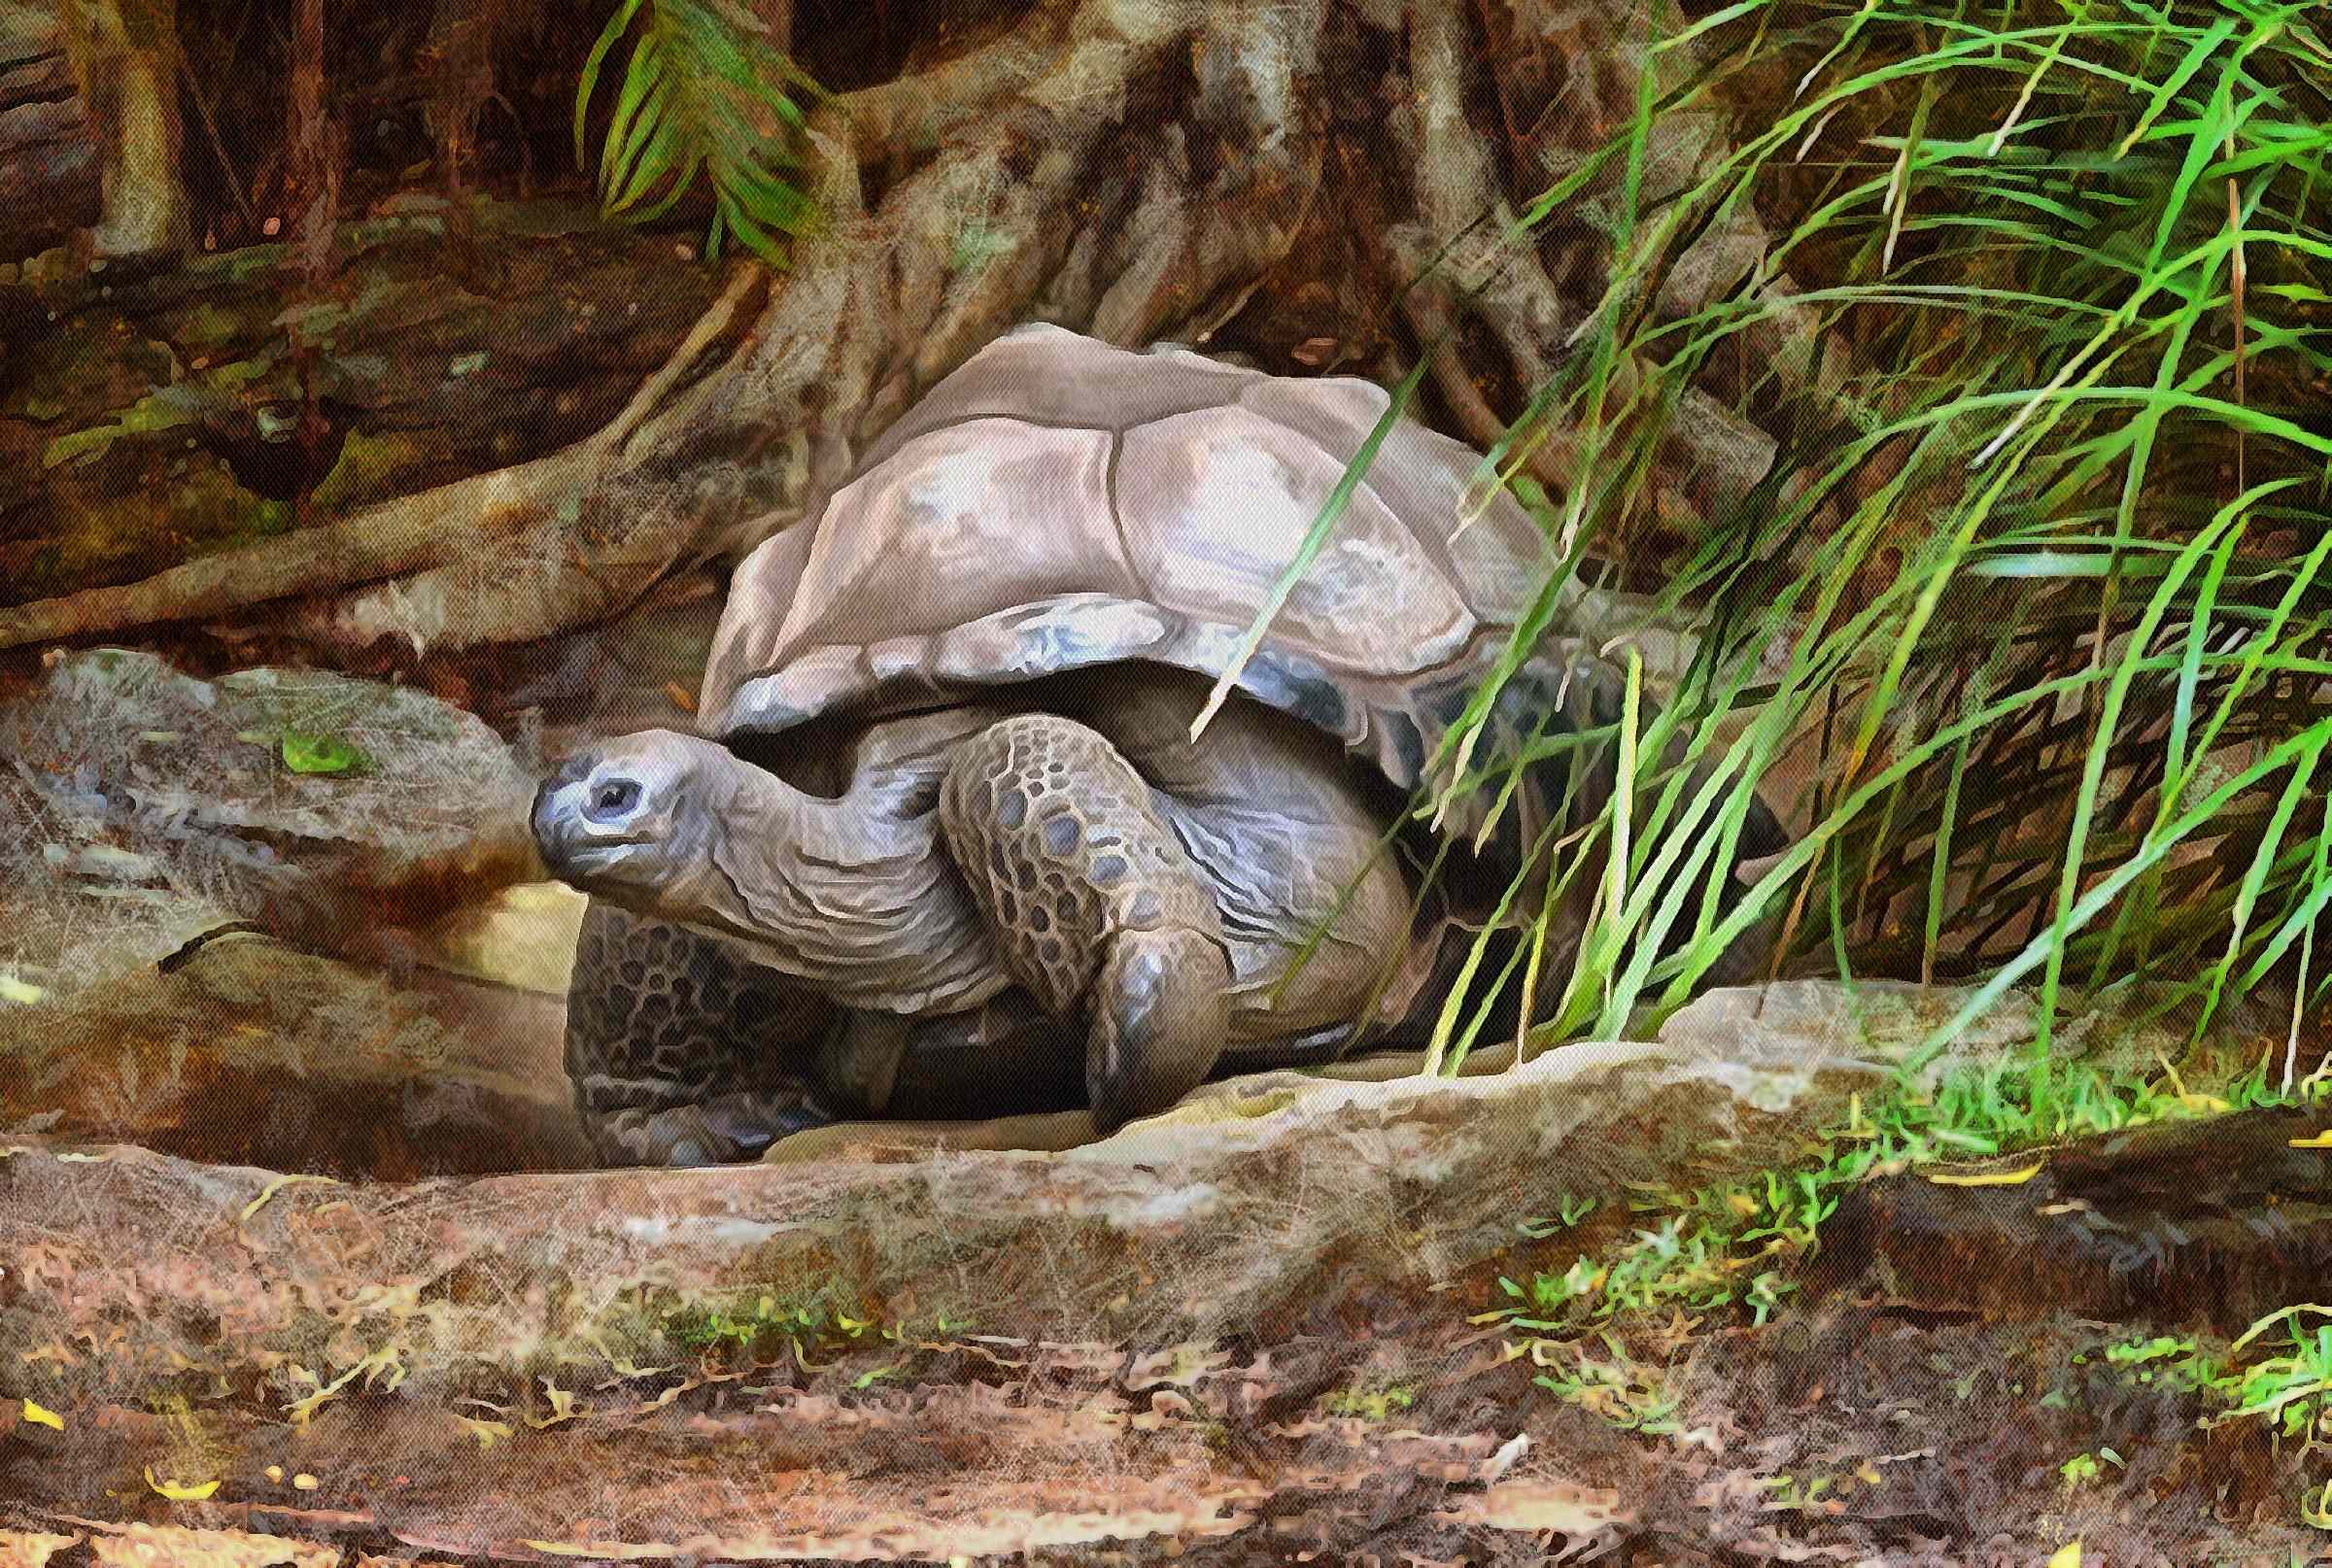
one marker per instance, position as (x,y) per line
(1059,503)
(1218,501)
(993,511)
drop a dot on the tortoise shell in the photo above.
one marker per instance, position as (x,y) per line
(1057,503)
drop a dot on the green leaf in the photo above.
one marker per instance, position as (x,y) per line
(1324,523)
(678,188)
(640,83)
(589,81)
(655,164)
(632,178)
(2169,86)
(704,96)
(306,752)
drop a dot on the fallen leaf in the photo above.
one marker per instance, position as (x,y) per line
(21,992)
(305,753)
(273,1188)
(1990,1179)
(383,1363)
(40,1417)
(563,1408)
(2322,1139)
(484,1431)
(181,1491)
(2068,1555)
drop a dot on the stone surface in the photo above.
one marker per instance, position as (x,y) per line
(208,952)
(140,807)
(251,1053)
(1150,1344)
(523,936)
(415,1332)
(1221,1212)
(1262,1201)
(1776,1061)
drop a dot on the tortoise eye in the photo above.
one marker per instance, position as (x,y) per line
(612,799)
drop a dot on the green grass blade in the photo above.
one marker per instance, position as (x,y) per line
(1354,474)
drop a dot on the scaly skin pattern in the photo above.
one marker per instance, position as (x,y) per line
(664,1031)
(1092,903)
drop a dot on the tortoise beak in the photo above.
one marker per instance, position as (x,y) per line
(555,802)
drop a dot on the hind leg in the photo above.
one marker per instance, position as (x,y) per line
(679,1053)
(1093,904)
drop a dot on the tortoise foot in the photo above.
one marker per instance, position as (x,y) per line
(727,1127)
(1159,1014)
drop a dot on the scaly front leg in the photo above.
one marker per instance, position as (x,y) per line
(679,1053)
(1094,905)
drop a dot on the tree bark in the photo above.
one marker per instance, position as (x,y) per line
(1134,169)
(125,56)
(49,184)
(2217,1221)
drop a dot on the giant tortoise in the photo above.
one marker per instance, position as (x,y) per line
(944,846)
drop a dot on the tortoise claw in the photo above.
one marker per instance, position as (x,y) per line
(724,1130)
(1161,1014)
(749,1123)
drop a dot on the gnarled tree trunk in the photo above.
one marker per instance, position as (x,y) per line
(49,184)
(125,58)
(1330,185)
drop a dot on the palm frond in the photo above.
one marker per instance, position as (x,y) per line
(706,93)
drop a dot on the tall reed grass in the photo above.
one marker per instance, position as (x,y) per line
(2038,576)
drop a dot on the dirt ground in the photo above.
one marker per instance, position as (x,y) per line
(1018,1357)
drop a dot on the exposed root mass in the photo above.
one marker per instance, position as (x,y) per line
(1134,169)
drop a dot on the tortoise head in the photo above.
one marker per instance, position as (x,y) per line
(635,819)
(837,892)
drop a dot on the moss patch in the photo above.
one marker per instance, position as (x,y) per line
(372,467)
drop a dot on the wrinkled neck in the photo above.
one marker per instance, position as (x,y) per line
(855,896)
(804,834)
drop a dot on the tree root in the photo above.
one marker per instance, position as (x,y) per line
(412,533)
(530,549)
(1054,1132)
(1506,285)
(1129,168)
